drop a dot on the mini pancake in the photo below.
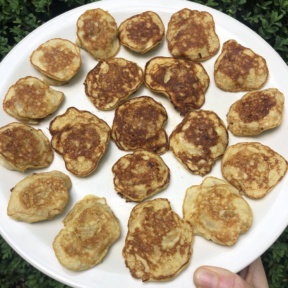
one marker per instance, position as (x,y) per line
(256,112)
(58,60)
(39,196)
(81,138)
(90,229)
(22,147)
(191,34)
(142,32)
(140,175)
(199,140)
(138,124)
(158,245)
(112,81)
(184,82)
(30,100)
(253,168)
(239,68)
(97,33)
(216,211)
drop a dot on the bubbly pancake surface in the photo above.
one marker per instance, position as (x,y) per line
(138,124)
(58,60)
(30,100)
(140,175)
(81,138)
(184,82)
(239,68)
(191,34)
(142,32)
(90,229)
(39,196)
(97,32)
(112,81)
(256,112)
(199,140)
(158,244)
(23,147)
(216,211)
(253,168)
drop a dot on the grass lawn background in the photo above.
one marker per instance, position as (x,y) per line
(19,17)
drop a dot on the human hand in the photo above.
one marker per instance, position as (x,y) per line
(252,276)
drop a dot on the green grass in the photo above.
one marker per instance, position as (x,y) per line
(19,17)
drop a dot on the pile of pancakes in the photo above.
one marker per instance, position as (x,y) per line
(158,244)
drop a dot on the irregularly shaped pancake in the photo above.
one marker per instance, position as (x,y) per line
(22,147)
(39,196)
(142,32)
(239,68)
(256,112)
(81,138)
(253,168)
(184,82)
(97,33)
(199,140)
(90,229)
(140,175)
(112,81)
(30,100)
(191,34)
(138,124)
(217,211)
(58,60)
(158,244)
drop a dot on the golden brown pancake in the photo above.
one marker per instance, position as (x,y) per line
(97,33)
(142,32)
(81,138)
(22,147)
(256,112)
(158,244)
(58,60)
(138,124)
(30,100)
(39,196)
(239,68)
(184,82)
(216,211)
(90,229)
(140,175)
(112,81)
(191,34)
(199,140)
(253,168)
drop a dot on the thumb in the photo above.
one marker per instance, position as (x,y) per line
(214,277)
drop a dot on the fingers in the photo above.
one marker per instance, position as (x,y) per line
(214,277)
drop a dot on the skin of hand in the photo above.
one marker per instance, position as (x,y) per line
(252,276)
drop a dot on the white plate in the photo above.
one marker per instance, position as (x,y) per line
(33,241)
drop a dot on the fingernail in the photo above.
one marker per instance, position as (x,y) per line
(205,278)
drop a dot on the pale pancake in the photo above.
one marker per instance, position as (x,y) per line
(97,33)
(39,196)
(217,211)
(90,229)
(253,168)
